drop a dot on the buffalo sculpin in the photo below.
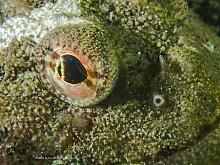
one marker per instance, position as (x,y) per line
(109,82)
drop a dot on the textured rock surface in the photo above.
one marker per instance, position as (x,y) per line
(164,108)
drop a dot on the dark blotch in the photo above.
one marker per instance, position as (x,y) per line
(2,73)
(158,101)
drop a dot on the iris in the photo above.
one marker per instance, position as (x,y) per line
(78,64)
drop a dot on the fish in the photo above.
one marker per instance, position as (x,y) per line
(108,82)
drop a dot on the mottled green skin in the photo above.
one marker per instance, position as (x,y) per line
(127,127)
(1,18)
(11,8)
(208,11)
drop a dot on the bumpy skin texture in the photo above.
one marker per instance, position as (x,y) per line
(164,52)
(17,7)
(208,11)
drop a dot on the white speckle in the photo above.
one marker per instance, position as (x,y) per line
(162,61)
(209,46)
(181,40)
(158,100)
(36,24)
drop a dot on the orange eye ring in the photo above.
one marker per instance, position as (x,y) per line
(82,89)
(80,76)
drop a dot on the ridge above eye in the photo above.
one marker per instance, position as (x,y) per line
(79,64)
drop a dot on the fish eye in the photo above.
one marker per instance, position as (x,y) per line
(77,63)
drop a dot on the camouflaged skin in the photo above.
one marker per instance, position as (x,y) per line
(10,8)
(208,11)
(164,108)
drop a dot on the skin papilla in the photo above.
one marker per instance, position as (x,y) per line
(164,107)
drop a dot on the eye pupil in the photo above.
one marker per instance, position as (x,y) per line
(72,70)
(158,101)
